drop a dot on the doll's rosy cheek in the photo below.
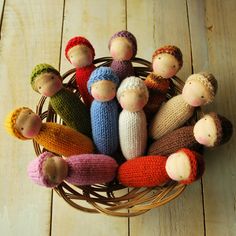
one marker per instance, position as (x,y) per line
(94,93)
(113,52)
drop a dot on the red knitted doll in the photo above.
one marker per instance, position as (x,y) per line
(80,53)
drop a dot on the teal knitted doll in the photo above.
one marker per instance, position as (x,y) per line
(102,86)
(47,81)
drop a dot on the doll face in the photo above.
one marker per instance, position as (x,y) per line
(48,84)
(178,166)
(195,93)
(80,56)
(165,65)
(103,90)
(133,100)
(28,123)
(205,131)
(55,169)
(121,49)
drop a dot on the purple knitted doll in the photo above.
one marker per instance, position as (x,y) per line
(123,47)
(86,169)
(102,86)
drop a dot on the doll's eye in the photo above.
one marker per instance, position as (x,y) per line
(202,96)
(174,66)
(29,113)
(52,77)
(40,87)
(190,83)
(159,58)
(22,128)
(209,135)
(205,119)
(140,95)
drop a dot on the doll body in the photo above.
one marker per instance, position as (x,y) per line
(104,110)
(166,62)
(184,166)
(47,81)
(86,169)
(132,96)
(123,47)
(199,89)
(80,53)
(210,131)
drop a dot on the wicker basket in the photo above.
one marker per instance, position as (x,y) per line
(112,199)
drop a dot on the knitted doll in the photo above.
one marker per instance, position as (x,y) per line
(212,130)
(80,53)
(132,96)
(184,166)
(24,124)
(199,89)
(47,81)
(166,62)
(86,169)
(123,47)
(102,85)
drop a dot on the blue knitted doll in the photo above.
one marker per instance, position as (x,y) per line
(102,86)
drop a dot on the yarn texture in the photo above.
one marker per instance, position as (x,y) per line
(122,69)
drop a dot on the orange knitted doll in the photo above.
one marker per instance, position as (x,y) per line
(184,166)
(24,124)
(166,62)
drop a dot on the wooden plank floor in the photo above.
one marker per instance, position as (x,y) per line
(35,31)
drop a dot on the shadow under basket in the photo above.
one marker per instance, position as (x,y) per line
(113,199)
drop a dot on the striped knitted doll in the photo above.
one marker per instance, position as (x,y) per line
(212,130)
(80,53)
(47,81)
(184,166)
(102,85)
(166,62)
(123,47)
(132,96)
(24,124)
(199,89)
(86,169)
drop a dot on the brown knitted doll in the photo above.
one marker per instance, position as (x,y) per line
(24,124)
(166,62)
(212,130)
(199,89)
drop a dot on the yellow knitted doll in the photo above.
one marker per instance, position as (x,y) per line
(24,124)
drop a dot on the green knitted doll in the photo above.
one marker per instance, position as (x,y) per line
(47,81)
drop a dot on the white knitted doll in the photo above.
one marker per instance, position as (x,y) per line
(199,89)
(132,96)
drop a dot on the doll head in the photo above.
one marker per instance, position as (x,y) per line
(199,89)
(48,170)
(46,80)
(23,123)
(79,52)
(132,94)
(185,166)
(167,61)
(123,46)
(102,84)
(213,130)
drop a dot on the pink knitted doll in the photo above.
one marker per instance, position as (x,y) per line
(49,170)
(184,166)
(80,53)
(123,47)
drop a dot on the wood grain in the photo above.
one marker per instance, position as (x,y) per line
(30,35)
(162,23)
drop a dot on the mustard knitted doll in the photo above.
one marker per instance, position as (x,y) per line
(132,96)
(199,89)
(24,124)
(47,81)
(166,62)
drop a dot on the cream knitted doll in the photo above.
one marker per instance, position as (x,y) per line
(132,96)
(199,89)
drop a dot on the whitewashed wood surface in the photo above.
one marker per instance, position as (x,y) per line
(35,31)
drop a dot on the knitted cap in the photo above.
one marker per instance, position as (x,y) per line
(102,73)
(172,50)
(10,123)
(35,170)
(130,37)
(197,165)
(132,82)
(208,81)
(39,69)
(224,128)
(78,40)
